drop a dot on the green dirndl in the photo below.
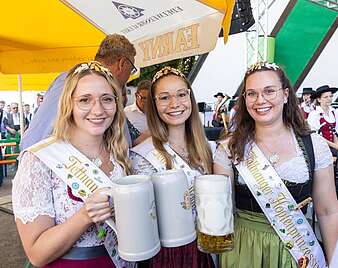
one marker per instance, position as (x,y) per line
(256,245)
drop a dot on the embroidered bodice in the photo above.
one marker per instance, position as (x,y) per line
(38,191)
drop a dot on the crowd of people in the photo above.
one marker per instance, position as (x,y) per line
(84,113)
(10,118)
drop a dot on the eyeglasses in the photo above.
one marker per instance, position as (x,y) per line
(86,103)
(182,95)
(14,107)
(134,69)
(267,93)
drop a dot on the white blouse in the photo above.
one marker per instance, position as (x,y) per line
(314,118)
(38,191)
(293,170)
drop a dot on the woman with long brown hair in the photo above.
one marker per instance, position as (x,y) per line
(178,142)
(276,164)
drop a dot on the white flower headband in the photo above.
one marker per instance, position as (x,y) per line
(263,64)
(166,71)
(93,65)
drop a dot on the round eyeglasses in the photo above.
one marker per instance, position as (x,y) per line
(267,93)
(86,103)
(182,95)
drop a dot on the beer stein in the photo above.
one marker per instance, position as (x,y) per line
(215,221)
(135,215)
(174,212)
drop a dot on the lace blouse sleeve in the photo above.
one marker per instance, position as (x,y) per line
(221,157)
(323,156)
(32,189)
(140,165)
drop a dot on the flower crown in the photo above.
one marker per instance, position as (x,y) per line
(262,64)
(93,65)
(166,71)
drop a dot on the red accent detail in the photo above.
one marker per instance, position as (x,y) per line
(73,197)
(328,128)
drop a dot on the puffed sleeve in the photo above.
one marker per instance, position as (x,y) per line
(323,155)
(221,157)
(314,120)
(32,189)
(140,165)
(336,117)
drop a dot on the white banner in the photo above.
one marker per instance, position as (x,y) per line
(160,30)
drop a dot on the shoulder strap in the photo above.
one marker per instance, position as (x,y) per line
(307,141)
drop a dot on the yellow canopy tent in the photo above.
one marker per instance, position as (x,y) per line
(48,37)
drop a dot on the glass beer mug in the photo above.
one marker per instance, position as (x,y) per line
(215,221)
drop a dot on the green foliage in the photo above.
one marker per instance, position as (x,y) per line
(184,65)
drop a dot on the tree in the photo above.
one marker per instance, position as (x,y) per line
(184,65)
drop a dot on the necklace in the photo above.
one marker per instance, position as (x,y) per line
(180,150)
(97,160)
(273,157)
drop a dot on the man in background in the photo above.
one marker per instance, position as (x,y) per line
(116,53)
(2,117)
(12,120)
(27,113)
(136,111)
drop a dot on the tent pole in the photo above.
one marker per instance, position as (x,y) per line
(22,125)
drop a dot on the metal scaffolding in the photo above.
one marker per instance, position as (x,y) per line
(330,4)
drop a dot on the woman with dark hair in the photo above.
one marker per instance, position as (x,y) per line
(177,142)
(276,164)
(324,119)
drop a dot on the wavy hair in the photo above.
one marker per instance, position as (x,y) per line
(113,137)
(244,132)
(198,148)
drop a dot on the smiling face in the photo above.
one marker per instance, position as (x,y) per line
(94,106)
(173,101)
(268,110)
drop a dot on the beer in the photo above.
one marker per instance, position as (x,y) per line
(214,244)
(215,221)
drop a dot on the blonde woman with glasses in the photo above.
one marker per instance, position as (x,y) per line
(178,141)
(57,205)
(277,166)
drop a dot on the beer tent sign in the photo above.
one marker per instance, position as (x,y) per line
(160,30)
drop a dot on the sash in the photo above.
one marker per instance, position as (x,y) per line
(148,151)
(83,177)
(281,209)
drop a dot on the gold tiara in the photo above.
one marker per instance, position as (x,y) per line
(93,65)
(166,71)
(262,64)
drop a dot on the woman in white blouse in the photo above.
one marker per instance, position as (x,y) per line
(57,228)
(324,119)
(272,154)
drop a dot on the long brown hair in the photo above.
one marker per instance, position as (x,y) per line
(113,137)
(198,148)
(244,132)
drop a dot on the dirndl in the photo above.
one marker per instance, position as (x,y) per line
(187,256)
(256,245)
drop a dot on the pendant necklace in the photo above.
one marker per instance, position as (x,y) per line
(273,157)
(97,160)
(181,151)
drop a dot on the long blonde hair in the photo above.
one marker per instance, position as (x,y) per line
(198,148)
(113,137)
